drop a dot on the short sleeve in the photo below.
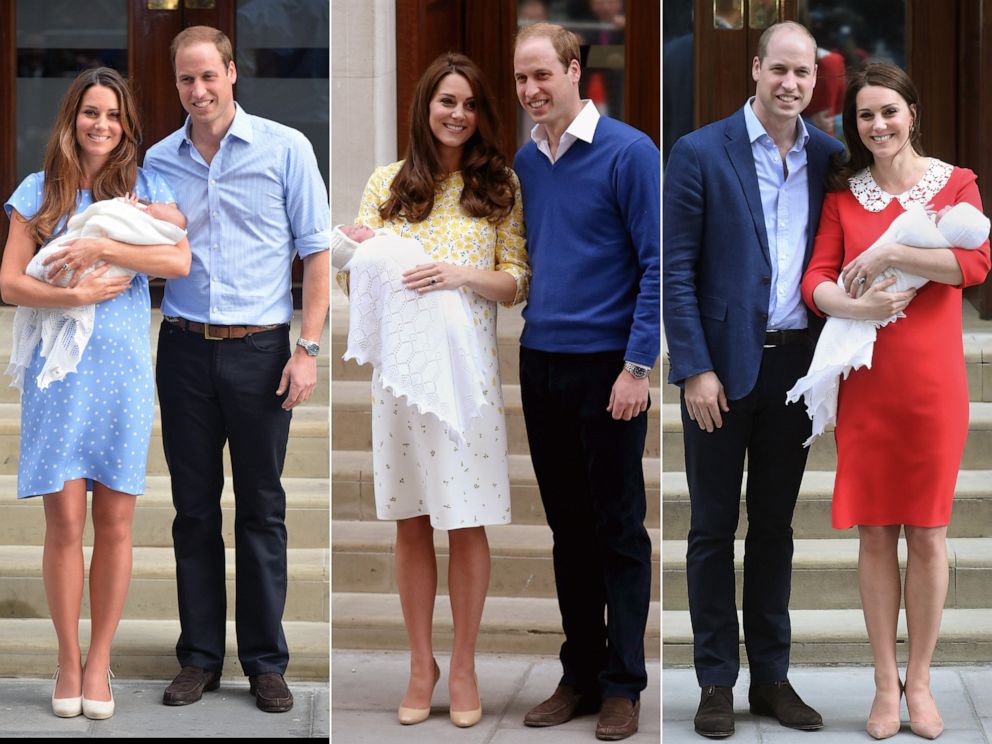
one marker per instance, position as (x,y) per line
(156,188)
(27,198)
(511,246)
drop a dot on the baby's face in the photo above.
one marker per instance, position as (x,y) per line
(358,233)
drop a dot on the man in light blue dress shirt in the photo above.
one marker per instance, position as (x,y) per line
(253,199)
(741,204)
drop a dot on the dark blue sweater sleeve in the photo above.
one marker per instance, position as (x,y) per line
(639,194)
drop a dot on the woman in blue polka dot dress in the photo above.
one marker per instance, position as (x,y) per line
(90,430)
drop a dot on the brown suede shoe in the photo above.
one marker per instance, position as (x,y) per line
(618,718)
(564,705)
(189,685)
(271,692)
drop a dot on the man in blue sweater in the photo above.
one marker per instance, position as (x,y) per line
(591,198)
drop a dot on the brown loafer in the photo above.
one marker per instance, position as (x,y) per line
(271,692)
(189,685)
(565,704)
(618,718)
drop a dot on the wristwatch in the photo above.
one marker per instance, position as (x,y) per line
(637,371)
(312,347)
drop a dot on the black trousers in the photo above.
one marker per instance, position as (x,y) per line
(771,434)
(589,471)
(212,392)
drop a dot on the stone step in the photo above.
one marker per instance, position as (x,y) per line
(363,560)
(22,522)
(977,360)
(352,418)
(972,515)
(306,457)
(354,498)
(152,593)
(824,573)
(835,636)
(823,453)
(146,649)
(510,625)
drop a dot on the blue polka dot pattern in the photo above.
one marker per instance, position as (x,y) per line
(96,423)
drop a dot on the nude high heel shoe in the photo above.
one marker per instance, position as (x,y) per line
(466,718)
(99,710)
(410,716)
(884,729)
(930,729)
(65,707)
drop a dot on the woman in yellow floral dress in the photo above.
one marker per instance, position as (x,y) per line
(455,194)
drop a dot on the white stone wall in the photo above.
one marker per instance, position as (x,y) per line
(363,98)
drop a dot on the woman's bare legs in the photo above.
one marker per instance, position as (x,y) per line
(879,582)
(468,582)
(416,579)
(926,590)
(62,571)
(110,577)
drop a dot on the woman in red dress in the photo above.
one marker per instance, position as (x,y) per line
(901,425)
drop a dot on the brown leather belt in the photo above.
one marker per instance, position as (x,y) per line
(220,332)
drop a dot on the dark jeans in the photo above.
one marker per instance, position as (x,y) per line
(212,392)
(771,434)
(589,471)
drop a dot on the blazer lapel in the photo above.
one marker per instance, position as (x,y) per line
(817,161)
(741,158)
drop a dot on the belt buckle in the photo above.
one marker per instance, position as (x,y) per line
(207,336)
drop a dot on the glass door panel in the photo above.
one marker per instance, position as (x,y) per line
(284,66)
(55,40)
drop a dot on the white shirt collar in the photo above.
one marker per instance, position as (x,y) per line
(583,127)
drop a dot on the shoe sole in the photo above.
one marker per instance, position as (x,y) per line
(271,707)
(715,734)
(208,688)
(614,737)
(798,727)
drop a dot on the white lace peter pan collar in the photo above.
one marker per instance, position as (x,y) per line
(871,196)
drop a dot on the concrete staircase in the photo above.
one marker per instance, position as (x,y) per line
(146,638)
(521,613)
(828,627)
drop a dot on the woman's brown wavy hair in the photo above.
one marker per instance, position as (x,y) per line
(63,169)
(488,190)
(858,157)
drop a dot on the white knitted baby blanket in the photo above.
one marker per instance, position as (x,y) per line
(846,345)
(65,332)
(423,346)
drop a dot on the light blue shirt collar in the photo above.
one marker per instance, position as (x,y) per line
(240,127)
(756,130)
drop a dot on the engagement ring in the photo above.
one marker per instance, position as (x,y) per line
(861,280)
(433,280)
(65,267)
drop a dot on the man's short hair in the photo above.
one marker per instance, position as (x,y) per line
(203,35)
(564,41)
(769,32)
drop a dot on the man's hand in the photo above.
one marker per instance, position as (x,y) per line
(705,399)
(300,377)
(629,397)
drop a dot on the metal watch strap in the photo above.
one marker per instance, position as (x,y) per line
(637,371)
(312,348)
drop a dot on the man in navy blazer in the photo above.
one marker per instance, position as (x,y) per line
(741,202)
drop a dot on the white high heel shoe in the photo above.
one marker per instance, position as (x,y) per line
(65,707)
(98,710)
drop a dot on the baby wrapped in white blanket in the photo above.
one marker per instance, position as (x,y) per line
(845,344)
(65,332)
(423,346)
